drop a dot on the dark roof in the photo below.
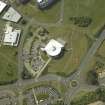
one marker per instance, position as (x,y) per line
(24,1)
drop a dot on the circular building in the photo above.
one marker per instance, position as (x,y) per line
(53,48)
(44,3)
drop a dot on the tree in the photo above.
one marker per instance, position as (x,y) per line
(26,75)
(82,21)
(101,94)
(16,53)
(90,97)
(30,33)
(92,77)
(24,22)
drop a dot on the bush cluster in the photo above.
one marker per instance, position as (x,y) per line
(90,97)
(83,21)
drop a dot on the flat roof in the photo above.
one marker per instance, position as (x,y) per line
(39,0)
(12,15)
(53,48)
(11,36)
(2,6)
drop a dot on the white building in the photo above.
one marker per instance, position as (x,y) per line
(11,36)
(97,103)
(2,6)
(39,1)
(12,15)
(53,48)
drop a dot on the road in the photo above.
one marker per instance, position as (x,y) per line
(88,57)
(20,50)
(53,77)
(78,76)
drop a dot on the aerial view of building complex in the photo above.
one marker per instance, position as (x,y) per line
(52,52)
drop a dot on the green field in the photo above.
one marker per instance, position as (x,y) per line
(31,10)
(101,50)
(42,96)
(8,64)
(76,41)
(8,61)
(73,35)
(91,8)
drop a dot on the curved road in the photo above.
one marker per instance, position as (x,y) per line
(51,77)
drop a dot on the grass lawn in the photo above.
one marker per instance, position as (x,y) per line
(101,50)
(80,94)
(42,96)
(31,10)
(8,64)
(74,36)
(60,87)
(91,8)
(8,60)
(76,40)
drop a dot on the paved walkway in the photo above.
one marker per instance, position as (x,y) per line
(52,77)
(40,72)
(36,101)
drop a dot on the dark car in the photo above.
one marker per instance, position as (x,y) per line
(44,3)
